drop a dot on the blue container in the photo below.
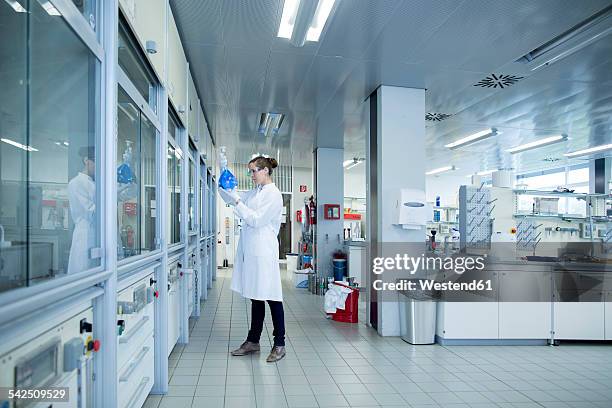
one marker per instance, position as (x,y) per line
(227,180)
(339,269)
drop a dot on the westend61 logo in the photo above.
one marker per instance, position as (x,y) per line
(415,264)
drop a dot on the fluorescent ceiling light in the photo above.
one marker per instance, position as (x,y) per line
(270,123)
(324,9)
(16,6)
(483,134)
(304,20)
(576,38)
(440,170)
(590,150)
(49,8)
(290,9)
(538,143)
(19,145)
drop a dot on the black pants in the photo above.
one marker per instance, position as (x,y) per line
(258,313)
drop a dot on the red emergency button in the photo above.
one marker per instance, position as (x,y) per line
(156,293)
(96,345)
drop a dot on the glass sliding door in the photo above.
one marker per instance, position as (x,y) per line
(49,148)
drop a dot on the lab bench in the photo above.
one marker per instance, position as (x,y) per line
(532,303)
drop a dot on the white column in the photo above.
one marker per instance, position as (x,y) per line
(329,190)
(395,160)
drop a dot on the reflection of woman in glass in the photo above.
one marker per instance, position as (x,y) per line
(82,199)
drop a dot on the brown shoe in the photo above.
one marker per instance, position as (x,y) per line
(246,348)
(276,354)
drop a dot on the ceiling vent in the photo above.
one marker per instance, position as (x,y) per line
(498,81)
(436,116)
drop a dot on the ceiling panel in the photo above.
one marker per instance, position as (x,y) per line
(250,24)
(326,74)
(245,87)
(445,46)
(411,25)
(199,21)
(209,69)
(283,80)
(354,25)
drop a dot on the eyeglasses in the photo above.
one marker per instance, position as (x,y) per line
(253,171)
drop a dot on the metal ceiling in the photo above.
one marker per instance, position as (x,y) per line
(445,46)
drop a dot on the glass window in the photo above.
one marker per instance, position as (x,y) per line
(136,179)
(175,160)
(135,66)
(49,192)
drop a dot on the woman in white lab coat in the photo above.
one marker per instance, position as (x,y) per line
(256,270)
(82,200)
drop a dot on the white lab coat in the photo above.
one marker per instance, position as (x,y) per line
(82,199)
(256,271)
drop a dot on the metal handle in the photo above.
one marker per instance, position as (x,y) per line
(134,398)
(128,373)
(137,326)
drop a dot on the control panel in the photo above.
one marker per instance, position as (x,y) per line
(58,358)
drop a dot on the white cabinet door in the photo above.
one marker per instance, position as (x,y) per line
(149,21)
(177,69)
(579,320)
(608,319)
(469,320)
(525,320)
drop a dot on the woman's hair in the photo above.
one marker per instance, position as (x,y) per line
(263,162)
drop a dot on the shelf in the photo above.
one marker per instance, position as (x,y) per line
(563,217)
(433,207)
(558,194)
(443,222)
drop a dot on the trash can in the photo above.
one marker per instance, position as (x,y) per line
(350,314)
(418,315)
(339,267)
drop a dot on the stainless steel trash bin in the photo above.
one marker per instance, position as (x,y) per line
(418,315)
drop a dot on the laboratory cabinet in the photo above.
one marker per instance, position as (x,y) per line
(135,340)
(60,356)
(177,69)
(147,18)
(579,321)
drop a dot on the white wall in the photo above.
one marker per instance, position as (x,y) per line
(446,186)
(355,181)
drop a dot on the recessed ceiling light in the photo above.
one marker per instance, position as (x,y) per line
(322,13)
(590,150)
(19,145)
(304,20)
(537,143)
(49,8)
(440,170)
(483,134)
(16,6)
(270,123)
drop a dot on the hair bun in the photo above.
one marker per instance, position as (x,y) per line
(273,162)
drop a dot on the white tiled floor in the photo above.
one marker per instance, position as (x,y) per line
(331,364)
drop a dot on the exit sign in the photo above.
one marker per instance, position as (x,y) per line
(302,188)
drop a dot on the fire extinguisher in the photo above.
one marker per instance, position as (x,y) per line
(130,237)
(299,216)
(312,207)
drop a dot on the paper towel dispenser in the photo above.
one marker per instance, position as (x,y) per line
(412,208)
